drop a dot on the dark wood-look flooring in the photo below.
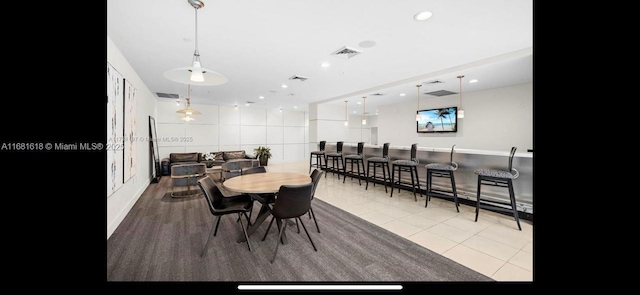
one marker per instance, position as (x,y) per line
(161,239)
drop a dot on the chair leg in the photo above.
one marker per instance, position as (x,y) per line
(297,226)
(385,177)
(478,197)
(326,163)
(393,179)
(268,228)
(344,165)
(413,185)
(284,227)
(206,245)
(428,190)
(358,164)
(244,231)
(513,203)
(314,218)
(308,236)
(374,175)
(453,187)
(415,169)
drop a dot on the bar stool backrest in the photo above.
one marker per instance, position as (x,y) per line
(414,151)
(360,148)
(339,146)
(385,150)
(322,145)
(511,169)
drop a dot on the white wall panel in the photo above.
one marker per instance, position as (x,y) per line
(253,135)
(229,135)
(253,116)
(293,134)
(275,135)
(230,148)
(274,117)
(170,134)
(229,116)
(277,153)
(294,118)
(198,135)
(167,112)
(294,152)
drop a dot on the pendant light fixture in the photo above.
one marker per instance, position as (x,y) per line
(196,74)
(346,117)
(364,118)
(417,113)
(188,111)
(460,110)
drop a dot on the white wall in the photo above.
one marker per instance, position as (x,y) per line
(224,128)
(494,119)
(122,200)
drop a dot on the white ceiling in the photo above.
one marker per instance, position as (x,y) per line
(258,45)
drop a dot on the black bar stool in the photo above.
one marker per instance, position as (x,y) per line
(410,166)
(358,158)
(500,178)
(318,155)
(444,171)
(382,162)
(336,159)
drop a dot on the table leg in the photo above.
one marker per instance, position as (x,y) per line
(262,215)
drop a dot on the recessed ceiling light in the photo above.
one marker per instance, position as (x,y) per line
(284,86)
(261,97)
(325,64)
(246,104)
(367,44)
(359,102)
(473,81)
(295,107)
(403,94)
(423,15)
(354,112)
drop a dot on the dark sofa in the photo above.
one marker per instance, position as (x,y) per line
(187,158)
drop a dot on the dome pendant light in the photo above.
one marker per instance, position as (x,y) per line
(364,118)
(346,117)
(196,74)
(188,110)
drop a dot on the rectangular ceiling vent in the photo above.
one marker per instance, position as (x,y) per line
(377,94)
(167,95)
(440,93)
(346,52)
(296,77)
(433,82)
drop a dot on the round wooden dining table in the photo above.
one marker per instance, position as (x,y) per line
(268,182)
(263,183)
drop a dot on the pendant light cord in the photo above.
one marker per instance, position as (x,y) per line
(460,78)
(196,29)
(418,86)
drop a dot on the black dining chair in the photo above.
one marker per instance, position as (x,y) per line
(220,205)
(293,201)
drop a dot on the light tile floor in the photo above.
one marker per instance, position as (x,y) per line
(492,246)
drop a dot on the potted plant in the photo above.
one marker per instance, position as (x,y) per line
(262,154)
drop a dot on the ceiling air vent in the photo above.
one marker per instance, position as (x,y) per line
(433,82)
(346,52)
(167,95)
(377,94)
(296,77)
(440,93)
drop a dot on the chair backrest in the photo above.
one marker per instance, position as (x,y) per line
(385,150)
(293,201)
(322,145)
(414,153)
(211,192)
(513,152)
(339,146)
(251,170)
(454,164)
(360,148)
(316,175)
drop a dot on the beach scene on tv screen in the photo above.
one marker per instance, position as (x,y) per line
(437,120)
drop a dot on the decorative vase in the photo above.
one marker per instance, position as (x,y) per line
(264,161)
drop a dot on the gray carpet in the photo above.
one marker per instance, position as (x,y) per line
(161,240)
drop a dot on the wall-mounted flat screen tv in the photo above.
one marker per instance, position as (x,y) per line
(437,120)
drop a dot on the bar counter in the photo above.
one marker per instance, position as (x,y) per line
(468,160)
